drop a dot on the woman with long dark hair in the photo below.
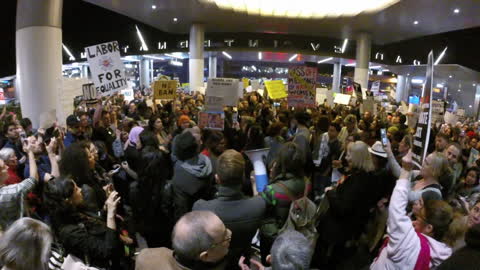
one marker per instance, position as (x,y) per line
(83,234)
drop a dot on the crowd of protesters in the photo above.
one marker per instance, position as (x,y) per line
(139,185)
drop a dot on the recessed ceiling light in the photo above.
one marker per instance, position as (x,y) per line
(154,7)
(415,22)
(456,11)
(175,19)
(450,76)
(470,106)
(459,90)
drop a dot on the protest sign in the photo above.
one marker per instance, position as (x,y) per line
(89,93)
(107,68)
(450,118)
(276,89)
(165,89)
(369,106)
(255,84)
(437,111)
(70,88)
(224,87)
(375,87)
(245,83)
(474,155)
(127,94)
(211,120)
(2,97)
(301,86)
(342,99)
(321,95)
(422,133)
(213,103)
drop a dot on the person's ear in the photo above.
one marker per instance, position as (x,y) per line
(269,259)
(217,179)
(203,256)
(428,229)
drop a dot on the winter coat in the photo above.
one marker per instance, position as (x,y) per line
(192,180)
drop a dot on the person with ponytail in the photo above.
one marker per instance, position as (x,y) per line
(424,243)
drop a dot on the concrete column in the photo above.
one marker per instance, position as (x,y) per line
(39,57)
(144,66)
(196,61)
(402,91)
(212,67)
(364,47)
(84,71)
(337,77)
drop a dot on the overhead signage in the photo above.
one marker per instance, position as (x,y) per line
(165,89)
(302,87)
(107,68)
(275,89)
(422,132)
(224,87)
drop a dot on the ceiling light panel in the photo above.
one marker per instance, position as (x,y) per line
(307,9)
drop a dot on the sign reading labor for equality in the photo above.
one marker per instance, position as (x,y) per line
(107,68)
(301,86)
(164,89)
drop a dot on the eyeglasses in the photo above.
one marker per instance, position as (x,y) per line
(227,236)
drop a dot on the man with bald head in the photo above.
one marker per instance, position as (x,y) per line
(200,240)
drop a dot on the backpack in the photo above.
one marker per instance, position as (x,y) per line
(302,216)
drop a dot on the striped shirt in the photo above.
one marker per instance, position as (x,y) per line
(12,201)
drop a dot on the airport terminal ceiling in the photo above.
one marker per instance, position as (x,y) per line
(116,20)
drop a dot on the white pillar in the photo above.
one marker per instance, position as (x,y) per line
(212,67)
(196,61)
(364,46)
(84,71)
(337,77)
(144,66)
(402,91)
(39,56)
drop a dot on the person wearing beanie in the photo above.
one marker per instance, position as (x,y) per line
(184,122)
(468,257)
(192,177)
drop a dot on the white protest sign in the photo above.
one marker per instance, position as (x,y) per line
(321,95)
(71,88)
(342,99)
(214,104)
(450,118)
(474,154)
(255,84)
(107,68)
(226,88)
(127,94)
(375,86)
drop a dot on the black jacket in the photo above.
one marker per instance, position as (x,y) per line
(350,205)
(240,214)
(91,239)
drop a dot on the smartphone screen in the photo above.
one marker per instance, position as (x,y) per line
(383,134)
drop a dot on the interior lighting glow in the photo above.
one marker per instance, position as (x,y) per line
(441,56)
(325,60)
(154,7)
(417,81)
(439,85)
(254,68)
(450,76)
(153,57)
(176,63)
(415,22)
(344,46)
(71,57)
(375,67)
(139,34)
(459,90)
(227,55)
(305,9)
(259,55)
(293,57)
(456,11)
(351,65)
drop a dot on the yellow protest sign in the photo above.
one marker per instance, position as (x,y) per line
(246,82)
(165,89)
(276,89)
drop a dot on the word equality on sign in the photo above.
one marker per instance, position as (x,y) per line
(107,68)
